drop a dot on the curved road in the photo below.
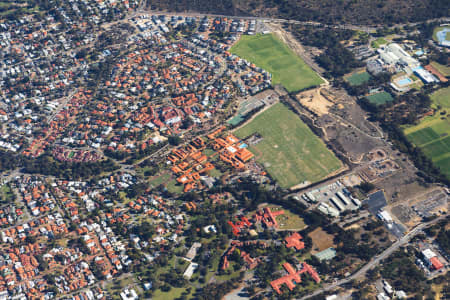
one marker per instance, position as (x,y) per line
(375,261)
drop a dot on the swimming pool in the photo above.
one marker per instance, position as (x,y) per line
(404,81)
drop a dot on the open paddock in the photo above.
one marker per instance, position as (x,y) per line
(289,150)
(321,240)
(271,54)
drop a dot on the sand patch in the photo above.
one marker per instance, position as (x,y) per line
(315,101)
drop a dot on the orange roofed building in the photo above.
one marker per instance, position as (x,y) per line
(239,225)
(268,217)
(436,263)
(293,277)
(295,240)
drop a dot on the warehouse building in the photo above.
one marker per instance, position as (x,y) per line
(425,76)
(432,260)
(393,54)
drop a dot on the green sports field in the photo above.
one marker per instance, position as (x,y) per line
(380,98)
(268,52)
(289,151)
(432,134)
(358,78)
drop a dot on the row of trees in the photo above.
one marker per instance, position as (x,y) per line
(336,59)
(443,238)
(46,165)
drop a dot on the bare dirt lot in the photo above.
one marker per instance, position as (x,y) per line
(353,143)
(315,101)
(353,114)
(406,215)
(405,184)
(429,202)
(344,122)
(321,240)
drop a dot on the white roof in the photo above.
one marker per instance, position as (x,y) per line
(190,270)
(428,254)
(231,149)
(425,75)
(400,294)
(385,216)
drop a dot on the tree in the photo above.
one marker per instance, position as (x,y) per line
(30,239)
(50,279)
(43,264)
(366,186)
(174,140)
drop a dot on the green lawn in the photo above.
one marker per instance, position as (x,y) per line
(289,151)
(215,173)
(235,120)
(378,42)
(432,133)
(6,194)
(161,178)
(270,53)
(208,152)
(228,276)
(444,70)
(358,78)
(172,294)
(444,165)
(174,187)
(286,221)
(442,97)
(380,98)
(114,287)
(290,221)
(423,136)
(437,148)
